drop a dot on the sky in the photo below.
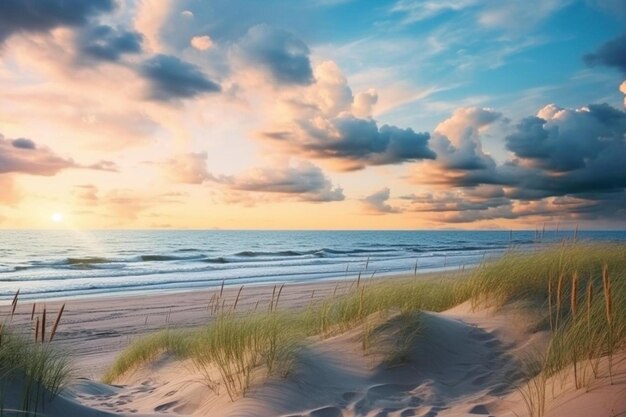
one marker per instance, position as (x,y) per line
(317,114)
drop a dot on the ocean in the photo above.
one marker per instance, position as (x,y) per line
(52,264)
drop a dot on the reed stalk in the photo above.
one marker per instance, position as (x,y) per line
(237,299)
(56,323)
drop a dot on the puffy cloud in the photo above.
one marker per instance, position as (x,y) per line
(43,15)
(376,203)
(187,168)
(202,43)
(457,140)
(320,123)
(611,54)
(107,43)
(364,103)
(304,181)
(569,139)
(564,162)
(280,53)
(171,78)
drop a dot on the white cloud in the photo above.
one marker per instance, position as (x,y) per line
(202,43)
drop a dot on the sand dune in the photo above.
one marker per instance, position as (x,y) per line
(463,363)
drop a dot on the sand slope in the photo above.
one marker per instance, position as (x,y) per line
(455,368)
(463,363)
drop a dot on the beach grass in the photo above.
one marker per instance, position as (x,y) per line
(32,363)
(548,279)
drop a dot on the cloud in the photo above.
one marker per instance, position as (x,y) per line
(107,43)
(376,203)
(570,139)
(417,11)
(320,123)
(187,168)
(171,78)
(122,204)
(280,53)
(611,54)
(564,162)
(24,156)
(304,181)
(17,16)
(202,43)
(457,141)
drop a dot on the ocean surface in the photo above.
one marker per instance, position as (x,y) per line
(47,264)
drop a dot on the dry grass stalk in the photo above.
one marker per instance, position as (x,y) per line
(32,313)
(367,262)
(14,303)
(415,269)
(559,298)
(37,330)
(56,322)
(222,288)
(271,306)
(606,284)
(43,325)
(280,291)
(550,302)
(209,306)
(237,299)
(608,302)
(358,280)
(574,295)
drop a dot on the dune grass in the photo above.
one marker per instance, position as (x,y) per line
(584,327)
(33,364)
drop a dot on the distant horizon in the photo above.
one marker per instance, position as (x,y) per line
(566,229)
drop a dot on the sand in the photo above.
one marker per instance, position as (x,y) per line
(466,363)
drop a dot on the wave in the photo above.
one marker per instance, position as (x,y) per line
(315,252)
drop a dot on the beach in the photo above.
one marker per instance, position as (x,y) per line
(467,360)
(95,329)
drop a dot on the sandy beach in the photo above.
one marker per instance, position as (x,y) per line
(95,329)
(470,363)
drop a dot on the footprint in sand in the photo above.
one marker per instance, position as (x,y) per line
(409,412)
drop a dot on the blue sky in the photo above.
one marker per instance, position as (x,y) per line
(375,114)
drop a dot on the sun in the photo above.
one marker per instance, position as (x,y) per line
(56,217)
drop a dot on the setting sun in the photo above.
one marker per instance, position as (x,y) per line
(56,217)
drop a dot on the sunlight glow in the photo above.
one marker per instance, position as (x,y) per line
(56,217)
